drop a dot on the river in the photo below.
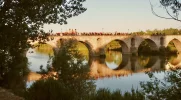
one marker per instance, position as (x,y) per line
(116,71)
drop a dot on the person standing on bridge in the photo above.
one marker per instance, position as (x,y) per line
(75,32)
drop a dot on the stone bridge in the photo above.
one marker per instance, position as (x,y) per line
(129,43)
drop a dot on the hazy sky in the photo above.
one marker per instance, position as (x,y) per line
(117,15)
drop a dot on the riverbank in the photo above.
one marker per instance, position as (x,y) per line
(7,95)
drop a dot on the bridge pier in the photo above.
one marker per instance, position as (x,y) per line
(133,50)
(98,52)
(162,49)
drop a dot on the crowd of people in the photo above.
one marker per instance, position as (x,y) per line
(101,34)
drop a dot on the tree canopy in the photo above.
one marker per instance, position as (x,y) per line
(22,18)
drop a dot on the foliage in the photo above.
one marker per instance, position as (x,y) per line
(48,89)
(22,20)
(112,45)
(106,94)
(171,7)
(72,71)
(144,47)
(73,81)
(169,31)
(171,48)
(166,89)
(51,89)
(15,79)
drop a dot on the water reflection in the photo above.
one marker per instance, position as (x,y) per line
(36,59)
(117,70)
(117,64)
(147,61)
(113,59)
(125,61)
(173,61)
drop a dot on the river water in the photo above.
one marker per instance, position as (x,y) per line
(116,71)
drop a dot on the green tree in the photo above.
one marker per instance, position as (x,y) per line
(163,89)
(15,79)
(23,19)
(73,81)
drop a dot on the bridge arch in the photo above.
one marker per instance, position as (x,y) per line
(151,44)
(89,47)
(174,40)
(176,43)
(124,47)
(124,63)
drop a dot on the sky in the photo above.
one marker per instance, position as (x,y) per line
(117,15)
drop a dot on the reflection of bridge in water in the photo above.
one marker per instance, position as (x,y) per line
(129,66)
(174,63)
